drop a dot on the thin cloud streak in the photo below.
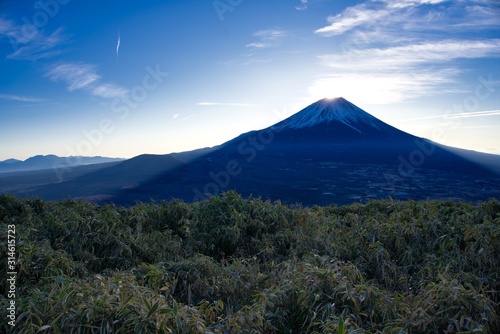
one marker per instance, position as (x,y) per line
(76,76)
(271,34)
(476,127)
(399,57)
(409,15)
(405,48)
(268,38)
(118,44)
(351,18)
(109,91)
(34,45)
(474,114)
(80,76)
(19,98)
(303,6)
(486,113)
(397,73)
(409,3)
(225,104)
(43,46)
(257,45)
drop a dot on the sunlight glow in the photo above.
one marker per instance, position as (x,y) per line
(370,90)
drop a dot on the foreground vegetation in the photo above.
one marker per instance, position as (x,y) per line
(233,265)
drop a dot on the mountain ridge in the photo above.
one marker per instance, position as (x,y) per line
(338,119)
(39,162)
(304,163)
(326,111)
(329,152)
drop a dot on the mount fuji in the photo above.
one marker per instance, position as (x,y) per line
(329,152)
(339,110)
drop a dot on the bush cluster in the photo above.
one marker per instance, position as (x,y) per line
(234,265)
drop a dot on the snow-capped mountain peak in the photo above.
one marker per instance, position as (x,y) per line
(331,110)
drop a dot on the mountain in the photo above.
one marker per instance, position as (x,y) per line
(104,183)
(10,161)
(50,161)
(25,183)
(335,113)
(329,152)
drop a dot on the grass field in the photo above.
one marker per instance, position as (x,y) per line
(235,265)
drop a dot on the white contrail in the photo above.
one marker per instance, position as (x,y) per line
(459,115)
(118,45)
(226,104)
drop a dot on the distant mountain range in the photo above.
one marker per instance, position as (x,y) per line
(50,161)
(330,152)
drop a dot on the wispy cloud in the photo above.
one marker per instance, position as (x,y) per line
(477,127)
(184,118)
(109,91)
(413,15)
(405,56)
(264,49)
(257,45)
(271,34)
(475,114)
(397,73)
(380,87)
(225,104)
(32,43)
(487,113)
(352,17)
(118,44)
(268,38)
(405,48)
(78,76)
(20,98)
(410,3)
(478,17)
(303,5)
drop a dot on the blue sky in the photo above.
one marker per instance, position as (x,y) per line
(122,78)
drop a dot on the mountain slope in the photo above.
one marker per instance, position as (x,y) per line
(50,161)
(338,111)
(330,152)
(28,182)
(106,182)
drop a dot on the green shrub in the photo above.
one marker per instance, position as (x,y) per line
(234,265)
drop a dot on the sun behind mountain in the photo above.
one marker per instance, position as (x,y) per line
(334,110)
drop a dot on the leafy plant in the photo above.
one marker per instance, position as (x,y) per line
(235,265)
